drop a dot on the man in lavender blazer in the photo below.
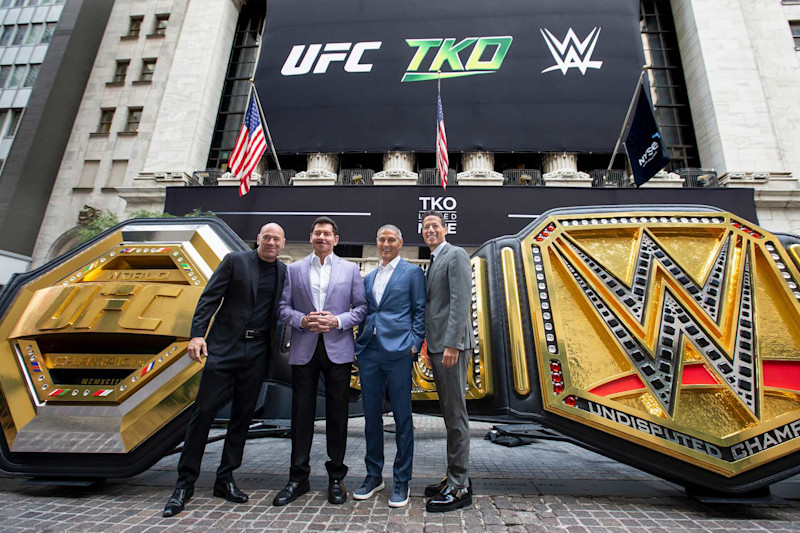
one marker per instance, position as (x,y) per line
(323,298)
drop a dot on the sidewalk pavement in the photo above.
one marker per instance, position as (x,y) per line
(543,487)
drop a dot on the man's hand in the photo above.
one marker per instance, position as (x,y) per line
(450,356)
(321,322)
(326,320)
(197,349)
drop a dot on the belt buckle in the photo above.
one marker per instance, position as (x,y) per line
(249,334)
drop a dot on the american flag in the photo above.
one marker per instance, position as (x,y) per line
(442,160)
(250,146)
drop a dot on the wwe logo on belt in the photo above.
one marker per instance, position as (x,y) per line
(571,52)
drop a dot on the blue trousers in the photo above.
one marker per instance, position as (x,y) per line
(379,374)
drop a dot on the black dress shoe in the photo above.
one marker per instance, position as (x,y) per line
(230,492)
(437,488)
(177,501)
(450,499)
(293,490)
(337,494)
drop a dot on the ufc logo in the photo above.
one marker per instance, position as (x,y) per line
(299,63)
(84,306)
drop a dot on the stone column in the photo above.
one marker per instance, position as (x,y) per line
(398,169)
(321,170)
(561,170)
(192,88)
(478,169)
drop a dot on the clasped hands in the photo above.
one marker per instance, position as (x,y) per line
(319,321)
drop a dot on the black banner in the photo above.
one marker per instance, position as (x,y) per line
(474,214)
(517,75)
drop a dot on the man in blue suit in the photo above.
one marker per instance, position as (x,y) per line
(391,333)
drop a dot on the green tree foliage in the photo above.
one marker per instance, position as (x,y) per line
(109,219)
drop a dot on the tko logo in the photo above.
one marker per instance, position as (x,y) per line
(300,60)
(572,52)
(486,57)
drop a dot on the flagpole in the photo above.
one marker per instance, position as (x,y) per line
(258,99)
(627,116)
(264,124)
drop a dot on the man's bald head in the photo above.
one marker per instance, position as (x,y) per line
(271,241)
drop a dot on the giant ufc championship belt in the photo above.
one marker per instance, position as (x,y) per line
(665,337)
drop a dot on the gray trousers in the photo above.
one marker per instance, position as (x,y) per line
(451,384)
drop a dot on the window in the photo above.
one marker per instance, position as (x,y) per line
(134,26)
(13,123)
(35,34)
(5,38)
(117,176)
(795,26)
(6,3)
(20,35)
(33,73)
(19,3)
(148,67)
(160,26)
(120,71)
(47,34)
(106,116)
(134,116)
(17,75)
(4,72)
(88,174)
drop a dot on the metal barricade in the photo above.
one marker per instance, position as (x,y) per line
(355,176)
(277,177)
(698,177)
(530,177)
(430,176)
(610,179)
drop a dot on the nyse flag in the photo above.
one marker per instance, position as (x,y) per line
(645,147)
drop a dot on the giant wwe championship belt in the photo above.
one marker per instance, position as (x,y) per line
(664,337)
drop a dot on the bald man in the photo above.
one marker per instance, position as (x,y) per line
(246,288)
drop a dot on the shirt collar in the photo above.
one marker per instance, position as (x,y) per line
(315,259)
(392,264)
(439,249)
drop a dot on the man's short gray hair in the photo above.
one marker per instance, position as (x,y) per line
(390,227)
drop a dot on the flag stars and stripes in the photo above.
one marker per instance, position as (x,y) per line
(442,158)
(250,146)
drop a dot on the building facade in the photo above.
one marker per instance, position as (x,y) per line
(167,90)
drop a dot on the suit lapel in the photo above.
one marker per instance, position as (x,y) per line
(436,264)
(398,271)
(369,284)
(336,269)
(305,277)
(253,269)
(278,288)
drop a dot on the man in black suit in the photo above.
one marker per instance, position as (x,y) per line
(248,286)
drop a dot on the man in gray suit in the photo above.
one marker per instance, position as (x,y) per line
(450,339)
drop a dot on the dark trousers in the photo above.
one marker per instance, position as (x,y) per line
(238,374)
(380,374)
(304,405)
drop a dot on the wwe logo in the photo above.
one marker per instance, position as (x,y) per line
(571,52)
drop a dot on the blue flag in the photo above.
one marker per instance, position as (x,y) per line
(646,151)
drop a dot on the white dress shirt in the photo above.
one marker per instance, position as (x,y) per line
(438,249)
(382,278)
(320,274)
